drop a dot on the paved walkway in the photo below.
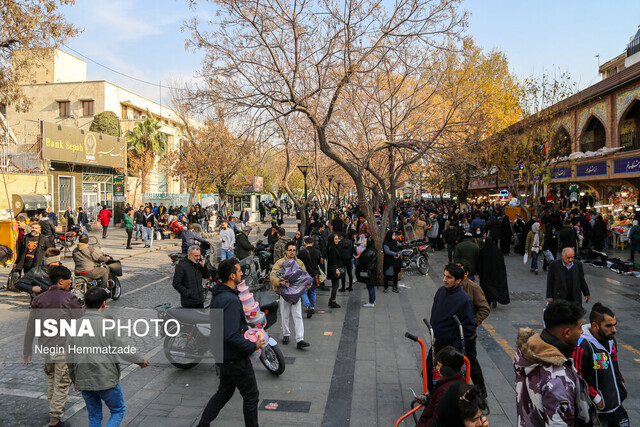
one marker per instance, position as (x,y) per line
(360,368)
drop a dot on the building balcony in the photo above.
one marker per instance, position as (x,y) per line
(594,145)
(633,47)
(630,141)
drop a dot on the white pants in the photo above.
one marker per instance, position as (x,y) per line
(296,313)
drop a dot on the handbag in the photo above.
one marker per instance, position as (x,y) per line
(548,255)
(13,278)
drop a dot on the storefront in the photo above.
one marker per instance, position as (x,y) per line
(85,169)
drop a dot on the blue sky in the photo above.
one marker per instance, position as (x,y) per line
(142,38)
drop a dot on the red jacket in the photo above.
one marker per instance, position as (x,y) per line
(104,217)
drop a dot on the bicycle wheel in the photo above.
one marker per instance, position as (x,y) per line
(208,295)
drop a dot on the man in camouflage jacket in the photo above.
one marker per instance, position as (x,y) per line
(549,390)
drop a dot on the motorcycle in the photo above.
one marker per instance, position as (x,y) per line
(64,240)
(190,345)
(81,284)
(418,254)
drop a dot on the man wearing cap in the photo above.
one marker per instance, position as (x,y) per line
(244,248)
(87,261)
(37,279)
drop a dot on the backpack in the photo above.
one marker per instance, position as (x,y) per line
(6,254)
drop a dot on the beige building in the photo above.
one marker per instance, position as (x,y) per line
(61,95)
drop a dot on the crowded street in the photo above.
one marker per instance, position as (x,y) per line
(359,370)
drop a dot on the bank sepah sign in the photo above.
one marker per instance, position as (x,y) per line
(73,145)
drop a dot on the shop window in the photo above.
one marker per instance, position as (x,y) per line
(630,128)
(594,136)
(64,108)
(87,107)
(65,192)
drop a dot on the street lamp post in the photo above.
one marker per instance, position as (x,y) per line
(338,197)
(304,169)
(330,178)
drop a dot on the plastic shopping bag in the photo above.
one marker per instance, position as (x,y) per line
(297,278)
(525,258)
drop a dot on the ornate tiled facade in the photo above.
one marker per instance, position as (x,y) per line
(624,99)
(599,110)
(565,122)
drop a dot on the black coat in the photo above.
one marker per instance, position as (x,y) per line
(493,273)
(37,276)
(187,280)
(333,261)
(44,243)
(235,345)
(556,281)
(368,262)
(390,260)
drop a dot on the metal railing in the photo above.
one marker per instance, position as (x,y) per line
(634,47)
(630,141)
(592,145)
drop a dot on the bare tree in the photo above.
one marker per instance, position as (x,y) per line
(32,25)
(305,58)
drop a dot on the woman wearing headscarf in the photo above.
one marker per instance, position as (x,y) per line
(368,263)
(533,245)
(634,239)
(392,263)
(505,235)
(599,234)
(333,268)
(493,274)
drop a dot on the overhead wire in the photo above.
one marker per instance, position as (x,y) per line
(123,74)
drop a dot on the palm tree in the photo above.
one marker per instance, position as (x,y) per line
(145,142)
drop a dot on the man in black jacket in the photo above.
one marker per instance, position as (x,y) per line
(138,219)
(237,370)
(596,359)
(37,279)
(189,238)
(187,279)
(565,279)
(31,249)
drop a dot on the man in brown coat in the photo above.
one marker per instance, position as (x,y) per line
(481,311)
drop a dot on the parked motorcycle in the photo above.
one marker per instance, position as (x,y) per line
(416,253)
(187,349)
(65,240)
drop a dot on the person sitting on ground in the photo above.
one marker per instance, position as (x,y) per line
(37,279)
(449,363)
(87,261)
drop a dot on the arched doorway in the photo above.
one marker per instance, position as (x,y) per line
(560,144)
(594,136)
(630,127)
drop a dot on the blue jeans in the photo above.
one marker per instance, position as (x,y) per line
(138,230)
(534,260)
(372,293)
(309,297)
(225,254)
(114,400)
(147,235)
